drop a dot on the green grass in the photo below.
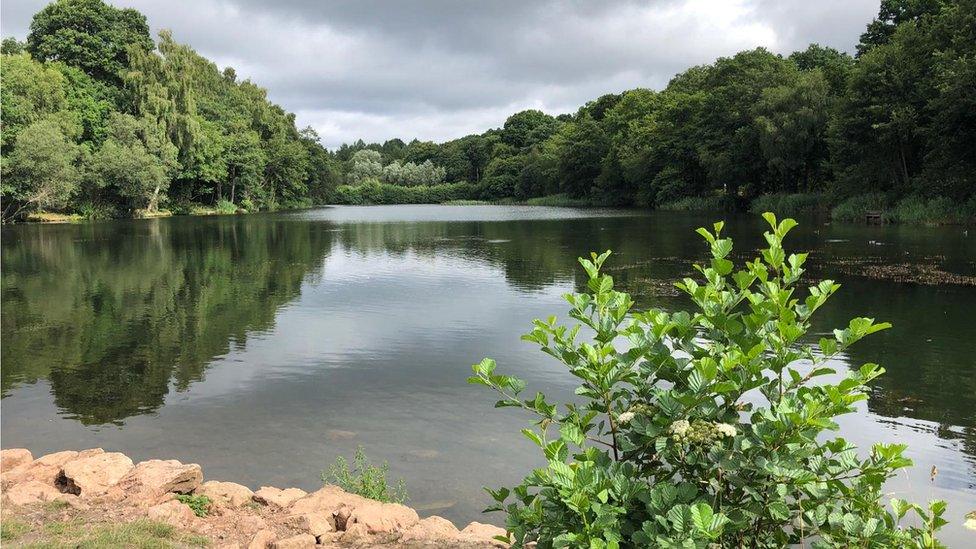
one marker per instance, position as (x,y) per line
(855,208)
(12,529)
(697,204)
(79,532)
(911,210)
(940,210)
(141,533)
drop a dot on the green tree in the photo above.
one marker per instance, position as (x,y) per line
(133,162)
(891,14)
(526,128)
(323,173)
(11,46)
(582,147)
(365,164)
(29,91)
(42,171)
(835,65)
(88,34)
(502,177)
(792,122)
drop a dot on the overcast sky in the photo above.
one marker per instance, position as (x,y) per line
(442,69)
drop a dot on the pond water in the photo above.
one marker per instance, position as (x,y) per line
(264,346)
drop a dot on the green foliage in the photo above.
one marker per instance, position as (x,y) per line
(917,210)
(365,479)
(898,119)
(133,163)
(374,192)
(710,428)
(226,207)
(856,208)
(11,529)
(558,200)
(88,34)
(155,123)
(425,173)
(42,172)
(699,204)
(791,204)
(200,504)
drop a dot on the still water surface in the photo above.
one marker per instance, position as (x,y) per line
(264,346)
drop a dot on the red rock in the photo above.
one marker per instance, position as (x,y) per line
(227,494)
(327,499)
(316,524)
(301,541)
(44,469)
(172,512)
(431,528)
(94,474)
(269,495)
(383,517)
(250,524)
(354,533)
(477,532)
(150,480)
(34,491)
(262,540)
(14,457)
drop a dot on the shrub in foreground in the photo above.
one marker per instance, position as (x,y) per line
(710,428)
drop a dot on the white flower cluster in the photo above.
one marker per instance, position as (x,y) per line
(700,432)
(625,417)
(680,427)
(726,430)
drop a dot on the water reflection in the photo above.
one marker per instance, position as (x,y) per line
(264,346)
(112,313)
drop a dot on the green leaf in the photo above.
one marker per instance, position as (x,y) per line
(778,510)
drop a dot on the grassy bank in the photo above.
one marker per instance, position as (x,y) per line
(912,210)
(52,528)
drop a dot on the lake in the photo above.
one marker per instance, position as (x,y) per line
(264,346)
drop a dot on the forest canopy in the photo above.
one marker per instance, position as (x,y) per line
(101,120)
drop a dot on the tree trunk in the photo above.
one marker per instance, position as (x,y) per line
(153,200)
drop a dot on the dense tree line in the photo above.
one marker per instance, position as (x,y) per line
(896,120)
(97,119)
(100,120)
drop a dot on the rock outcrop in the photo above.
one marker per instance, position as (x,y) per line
(93,475)
(150,480)
(108,484)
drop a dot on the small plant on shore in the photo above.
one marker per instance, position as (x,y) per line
(199,504)
(365,479)
(705,429)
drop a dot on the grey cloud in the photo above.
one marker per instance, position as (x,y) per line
(438,69)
